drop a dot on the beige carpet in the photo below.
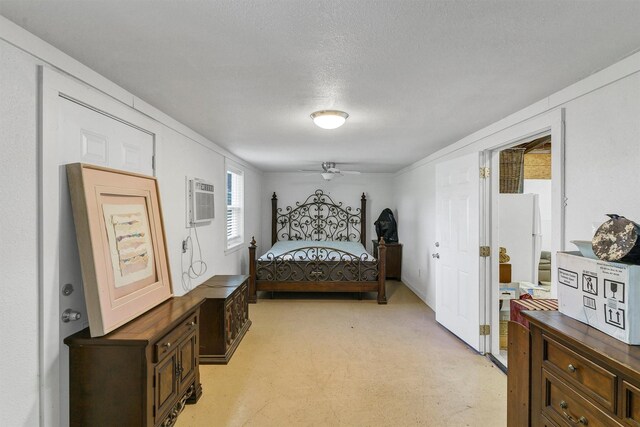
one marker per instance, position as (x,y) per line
(337,361)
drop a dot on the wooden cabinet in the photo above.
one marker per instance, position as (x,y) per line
(141,374)
(581,376)
(224,316)
(393,259)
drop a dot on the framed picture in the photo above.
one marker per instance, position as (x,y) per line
(120,233)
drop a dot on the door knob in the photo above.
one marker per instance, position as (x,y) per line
(70,315)
(437,244)
(435,255)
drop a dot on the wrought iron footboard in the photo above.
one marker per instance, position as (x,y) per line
(317,263)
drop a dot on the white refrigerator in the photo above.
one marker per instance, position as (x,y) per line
(520,233)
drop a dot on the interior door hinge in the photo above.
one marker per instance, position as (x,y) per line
(153,162)
(485,251)
(485,172)
(485,330)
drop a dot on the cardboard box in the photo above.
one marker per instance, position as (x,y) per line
(504,337)
(605,295)
(536,291)
(505,273)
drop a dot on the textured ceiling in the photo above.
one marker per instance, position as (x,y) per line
(414,76)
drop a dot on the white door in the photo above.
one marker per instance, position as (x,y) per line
(458,235)
(88,136)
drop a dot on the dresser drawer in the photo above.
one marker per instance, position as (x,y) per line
(588,377)
(545,422)
(565,407)
(631,404)
(173,338)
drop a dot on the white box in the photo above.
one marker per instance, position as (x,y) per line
(508,292)
(602,294)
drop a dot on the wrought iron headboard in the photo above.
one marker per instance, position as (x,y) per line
(319,218)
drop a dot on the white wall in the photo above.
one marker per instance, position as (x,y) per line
(415,199)
(179,153)
(19,401)
(178,157)
(602,130)
(603,154)
(295,187)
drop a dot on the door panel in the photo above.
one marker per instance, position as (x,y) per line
(464,305)
(94,148)
(187,352)
(457,231)
(166,384)
(85,135)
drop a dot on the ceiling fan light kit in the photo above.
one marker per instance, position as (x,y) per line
(330,171)
(329,119)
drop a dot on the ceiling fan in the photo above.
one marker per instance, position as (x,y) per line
(329,171)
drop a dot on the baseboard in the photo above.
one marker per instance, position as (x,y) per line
(413,289)
(497,363)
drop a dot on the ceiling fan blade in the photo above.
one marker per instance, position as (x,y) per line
(351,172)
(308,170)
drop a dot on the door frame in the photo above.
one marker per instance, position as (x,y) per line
(552,123)
(54,86)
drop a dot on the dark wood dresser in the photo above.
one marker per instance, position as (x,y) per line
(581,376)
(141,374)
(224,316)
(393,259)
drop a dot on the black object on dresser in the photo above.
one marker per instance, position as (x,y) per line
(393,259)
(224,316)
(141,374)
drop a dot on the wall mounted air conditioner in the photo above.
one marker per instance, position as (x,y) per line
(200,206)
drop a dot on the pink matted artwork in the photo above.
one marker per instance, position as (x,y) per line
(120,233)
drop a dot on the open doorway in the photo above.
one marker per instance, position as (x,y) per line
(523,222)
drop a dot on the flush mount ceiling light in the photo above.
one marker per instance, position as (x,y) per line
(329,119)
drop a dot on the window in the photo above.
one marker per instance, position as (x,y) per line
(235,207)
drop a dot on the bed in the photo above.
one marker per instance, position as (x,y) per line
(318,245)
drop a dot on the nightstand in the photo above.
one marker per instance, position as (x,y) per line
(394,259)
(224,316)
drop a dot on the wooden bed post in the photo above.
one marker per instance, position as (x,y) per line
(363,213)
(253,295)
(382,271)
(274,219)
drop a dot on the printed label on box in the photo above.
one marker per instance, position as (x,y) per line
(589,302)
(590,284)
(614,290)
(614,316)
(568,278)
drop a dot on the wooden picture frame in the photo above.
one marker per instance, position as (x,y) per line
(121,241)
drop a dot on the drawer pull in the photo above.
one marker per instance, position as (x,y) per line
(167,344)
(571,368)
(192,323)
(582,420)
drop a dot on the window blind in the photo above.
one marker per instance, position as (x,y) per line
(235,212)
